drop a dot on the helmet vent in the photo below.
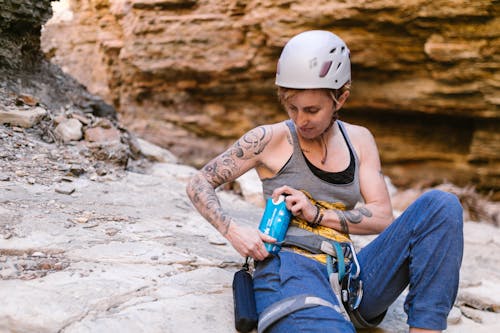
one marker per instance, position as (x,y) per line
(333,50)
(325,68)
(339,65)
(342,49)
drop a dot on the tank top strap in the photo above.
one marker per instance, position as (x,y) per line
(295,137)
(346,138)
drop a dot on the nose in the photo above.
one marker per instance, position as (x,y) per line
(301,118)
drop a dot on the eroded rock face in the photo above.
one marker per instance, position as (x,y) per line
(194,75)
(20,25)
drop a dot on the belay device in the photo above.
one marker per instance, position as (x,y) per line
(245,312)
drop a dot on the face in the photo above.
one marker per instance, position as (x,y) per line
(311,111)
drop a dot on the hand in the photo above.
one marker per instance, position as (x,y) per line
(297,203)
(249,242)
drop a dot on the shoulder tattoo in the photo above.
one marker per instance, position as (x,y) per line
(225,166)
(253,142)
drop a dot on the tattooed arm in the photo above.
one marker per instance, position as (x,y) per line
(376,213)
(243,155)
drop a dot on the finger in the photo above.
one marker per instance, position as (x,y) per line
(267,238)
(259,252)
(287,190)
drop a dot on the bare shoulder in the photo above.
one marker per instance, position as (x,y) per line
(259,140)
(358,134)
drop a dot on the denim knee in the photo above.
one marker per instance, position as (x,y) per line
(443,200)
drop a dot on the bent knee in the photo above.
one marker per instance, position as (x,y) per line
(446,202)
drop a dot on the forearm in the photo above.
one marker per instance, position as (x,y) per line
(205,200)
(364,220)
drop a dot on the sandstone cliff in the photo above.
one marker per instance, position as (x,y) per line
(194,75)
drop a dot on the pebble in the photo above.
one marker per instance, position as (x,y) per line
(21,173)
(215,240)
(65,188)
(81,219)
(38,254)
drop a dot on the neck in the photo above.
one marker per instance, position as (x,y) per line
(322,141)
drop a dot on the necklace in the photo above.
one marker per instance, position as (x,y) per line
(323,142)
(325,150)
(325,153)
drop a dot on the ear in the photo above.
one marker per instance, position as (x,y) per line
(342,99)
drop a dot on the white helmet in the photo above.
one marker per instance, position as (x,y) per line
(314,59)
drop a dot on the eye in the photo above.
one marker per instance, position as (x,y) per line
(311,110)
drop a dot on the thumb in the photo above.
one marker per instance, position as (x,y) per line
(266,238)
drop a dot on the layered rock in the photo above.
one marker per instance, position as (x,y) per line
(194,75)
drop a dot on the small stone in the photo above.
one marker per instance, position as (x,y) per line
(111,231)
(69,130)
(21,173)
(100,134)
(4,177)
(26,99)
(216,240)
(38,254)
(65,188)
(84,120)
(76,170)
(45,265)
(25,119)
(154,258)
(81,219)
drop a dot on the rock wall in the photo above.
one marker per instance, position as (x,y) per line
(194,75)
(24,69)
(20,26)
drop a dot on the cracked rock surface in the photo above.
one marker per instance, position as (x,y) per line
(124,251)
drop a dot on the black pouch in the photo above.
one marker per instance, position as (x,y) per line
(245,313)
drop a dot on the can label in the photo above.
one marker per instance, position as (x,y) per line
(274,222)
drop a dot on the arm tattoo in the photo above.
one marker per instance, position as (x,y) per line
(222,169)
(343,221)
(203,196)
(255,141)
(356,215)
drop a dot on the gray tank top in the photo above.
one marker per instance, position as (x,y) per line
(297,174)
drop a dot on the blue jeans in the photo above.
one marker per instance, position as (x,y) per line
(423,248)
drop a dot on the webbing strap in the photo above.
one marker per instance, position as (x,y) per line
(311,242)
(340,260)
(283,308)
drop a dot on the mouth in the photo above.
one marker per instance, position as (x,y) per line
(306,130)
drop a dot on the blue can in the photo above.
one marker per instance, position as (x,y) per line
(274,222)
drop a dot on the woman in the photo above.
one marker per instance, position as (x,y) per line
(330,172)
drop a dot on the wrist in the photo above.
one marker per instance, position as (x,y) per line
(320,213)
(227,227)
